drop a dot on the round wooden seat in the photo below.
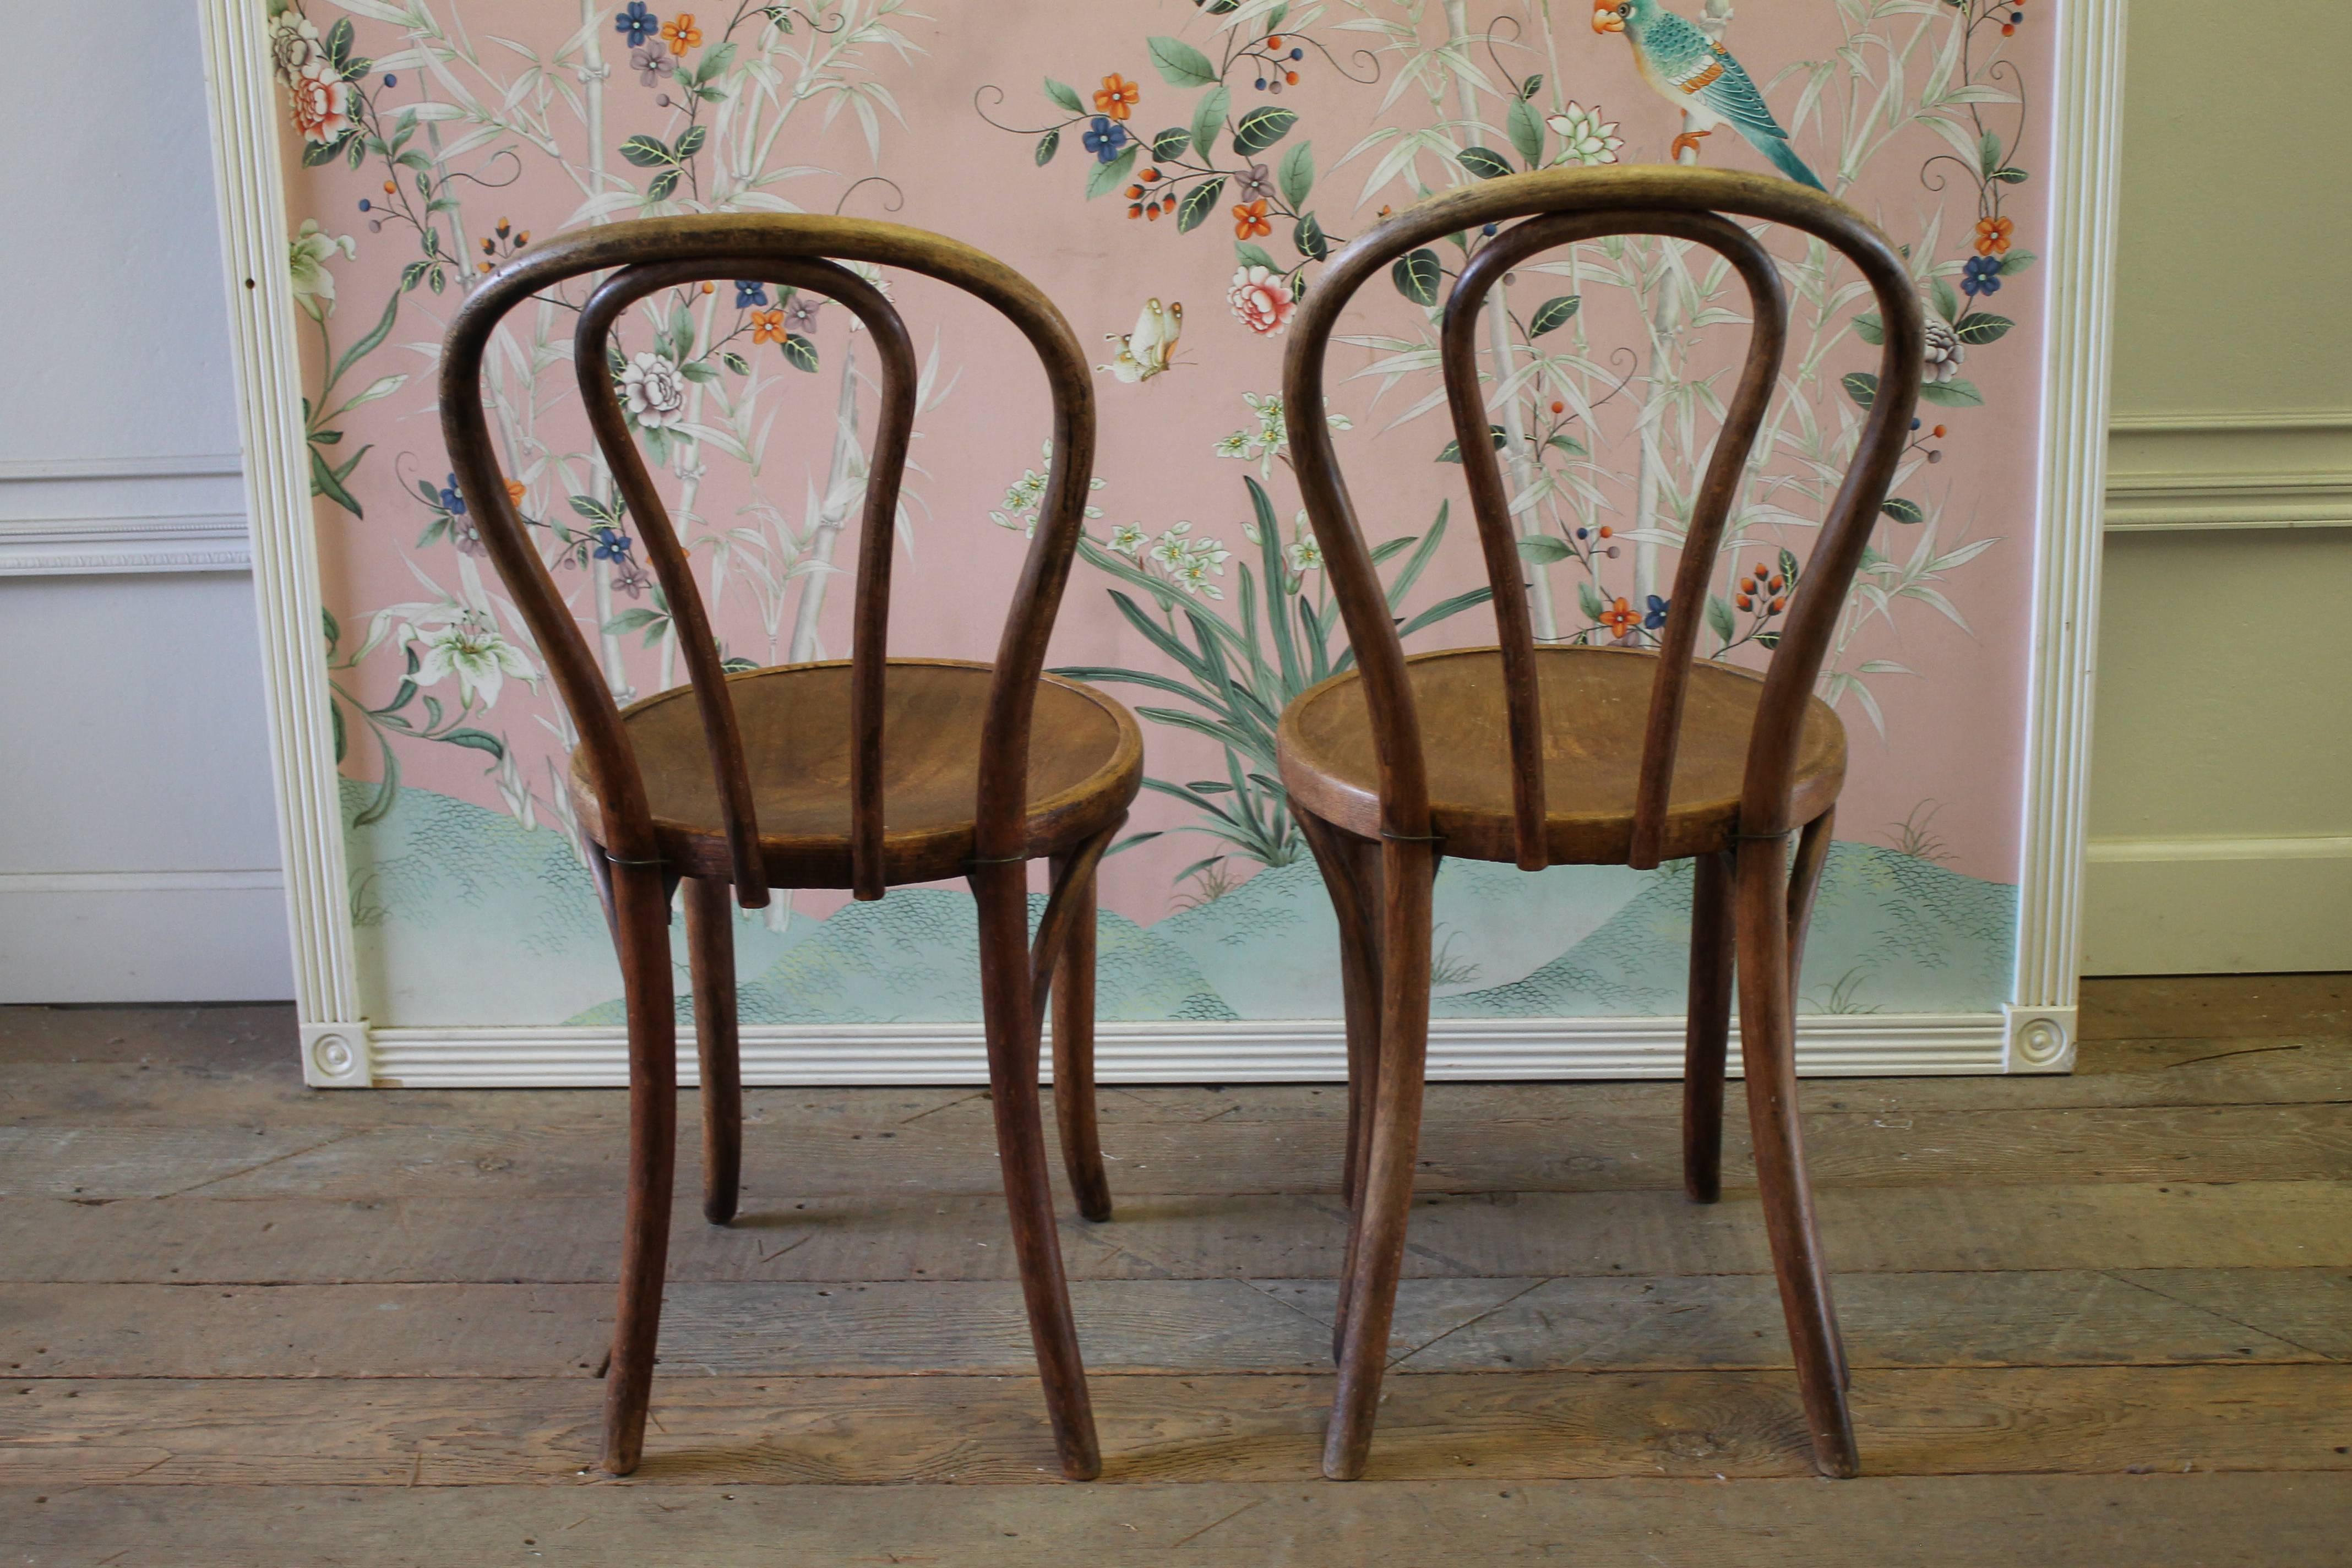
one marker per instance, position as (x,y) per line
(1596,702)
(1086,764)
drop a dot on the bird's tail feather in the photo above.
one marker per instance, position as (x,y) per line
(1784,158)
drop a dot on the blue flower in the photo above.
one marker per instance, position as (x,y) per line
(1106,139)
(1981,274)
(1657,615)
(635,24)
(612,545)
(451,501)
(750,294)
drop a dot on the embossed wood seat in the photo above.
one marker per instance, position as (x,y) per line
(1595,706)
(1085,765)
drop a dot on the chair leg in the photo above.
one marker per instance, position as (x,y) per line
(1008,1004)
(1804,883)
(1385,1202)
(1767,1046)
(1707,1032)
(1346,877)
(638,904)
(710,948)
(1074,1049)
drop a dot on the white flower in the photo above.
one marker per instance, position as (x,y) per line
(1126,539)
(1305,556)
(1271,439)
(1585,137)
(312,248)
(1945,351)
(1027,495)
(295,48)
(466,645)
(1261,298)
(321,104)
(1170,550)
(655,390)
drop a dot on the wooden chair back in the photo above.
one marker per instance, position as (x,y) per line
(802,252)
(1561,207)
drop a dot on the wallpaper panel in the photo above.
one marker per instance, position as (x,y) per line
(1173,175)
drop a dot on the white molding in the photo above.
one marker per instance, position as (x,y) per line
(268,879)
(2073,445)
(2142,851)
(1831,1044)
(202,466)
(2220,905)
(2233,419)
(55,546)
(250,178)
(2088,139)
(2252,469)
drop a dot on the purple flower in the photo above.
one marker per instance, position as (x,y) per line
(652,62)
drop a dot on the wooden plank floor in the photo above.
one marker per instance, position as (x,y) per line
(2106,1318)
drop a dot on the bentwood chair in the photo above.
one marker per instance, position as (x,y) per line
(1571,754)
(864,773)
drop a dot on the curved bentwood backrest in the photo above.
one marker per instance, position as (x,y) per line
(801,252)
(1563,207)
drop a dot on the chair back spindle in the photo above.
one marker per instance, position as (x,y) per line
(805,253)
(1563,207)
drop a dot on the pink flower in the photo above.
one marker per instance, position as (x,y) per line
(1261,298)
(322,106)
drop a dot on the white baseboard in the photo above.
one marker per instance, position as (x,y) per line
(143,936)
(1308,1050)
(2218,906)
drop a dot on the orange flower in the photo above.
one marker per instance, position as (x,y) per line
(1117,97)
(514,491)
(1620,619)
(767,326)
(1992,235)
(680,33)
(1249,221)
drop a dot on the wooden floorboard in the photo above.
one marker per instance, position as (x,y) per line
(2100,1318)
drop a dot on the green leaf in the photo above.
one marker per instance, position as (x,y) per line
(1195,203)
(2011,176)
(1111,175)
(1554,313)
(1297,175)
(1947,303)
(1862,387)
(1567,443)
(339,40)
(1589,600)
(1452,451)
(333,627)
(1047,145)
(662,185)
(1484,161)
(1171,143)
(1277,614)
(1066,95)
(1870,329)
(1543,548)
(1903,511)
(1445,610)
(690,141)
(1250,254)
(1417,276)
(1988,153)
(480,739)
(412,275)
(1526,129)
(647,152)
(1260,129)
(324,483)
(1528,87)
(698,370)
(800,351)
(1719,617)
(1984,327)
(1788,569)
(343,741)
(1955,394)
(2016,261)
(1209,116)
(716,61)
(369,343)
(1180,64)
(736,362)
(1308,236)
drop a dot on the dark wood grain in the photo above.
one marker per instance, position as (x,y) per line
(1539,756)
(710,959)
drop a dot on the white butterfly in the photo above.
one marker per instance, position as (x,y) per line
(1151,348)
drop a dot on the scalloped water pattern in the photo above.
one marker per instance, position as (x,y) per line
(486,923)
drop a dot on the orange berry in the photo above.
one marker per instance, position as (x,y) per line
(1776,606)
(1938,432)
(483,265)
(1761,573)
(389,188)
(1558,406)
(1777,584)
(1134,193)
(1134,210)
(1746,603)
(1151,213)
(1606,531)
(1290,78)
(1274,40)
(708,286)
(1149,175)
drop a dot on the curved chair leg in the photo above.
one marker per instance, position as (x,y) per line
(1385,1202)
(1008,1002)
(1073,1045)
(1768,1045)
(1707,1031)
(1349,874)
(1804,883)
(711,948)
(637,900)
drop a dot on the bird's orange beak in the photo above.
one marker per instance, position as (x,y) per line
(1605,19)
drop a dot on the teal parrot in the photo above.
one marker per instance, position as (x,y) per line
(1699,75)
